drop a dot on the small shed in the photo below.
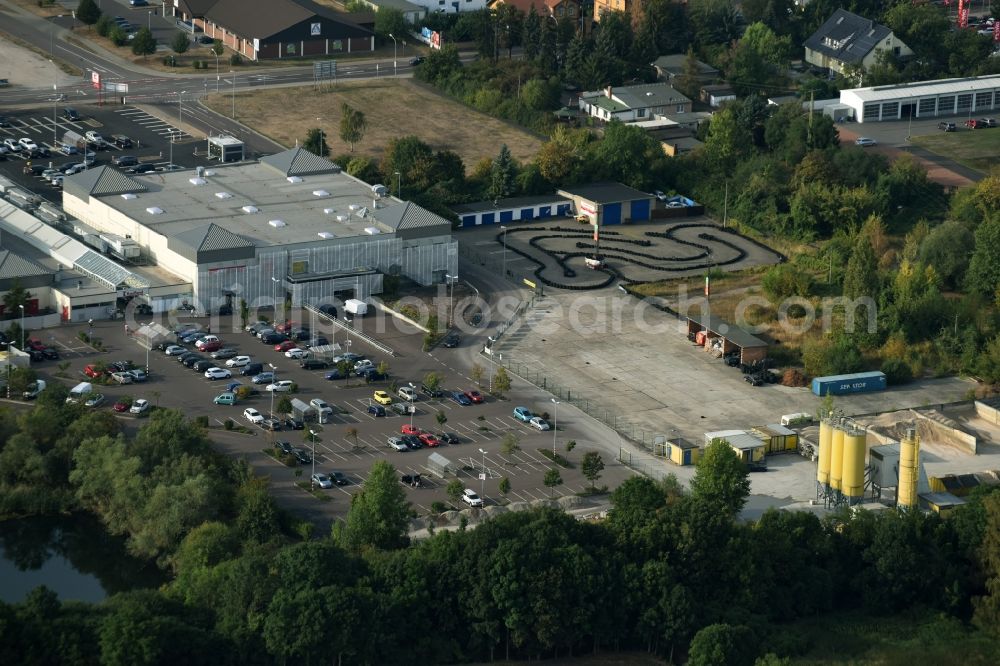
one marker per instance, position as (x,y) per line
(777,437)
(940,503)
(440,466)
(302,410)
(716,94)
(749,447)
(884,463)
(707,329)
(683,452)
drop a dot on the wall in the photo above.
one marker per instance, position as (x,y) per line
(33,323)
(987,413)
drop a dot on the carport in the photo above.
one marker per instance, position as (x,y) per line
(711,331)
(440,466)
(302,411)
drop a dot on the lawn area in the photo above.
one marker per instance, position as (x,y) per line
(392,107)
(976,149)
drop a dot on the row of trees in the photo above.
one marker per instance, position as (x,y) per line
(669,571)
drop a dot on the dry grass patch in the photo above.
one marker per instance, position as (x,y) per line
(392,107)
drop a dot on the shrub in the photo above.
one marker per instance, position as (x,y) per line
(235,59)
(201,421)
(793,377)
(228,424)
(170,61)
(784,280)
(438,507)
(897,371)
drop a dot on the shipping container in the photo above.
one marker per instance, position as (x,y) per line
(859,382)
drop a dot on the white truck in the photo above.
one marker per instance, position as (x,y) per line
(34,388)
(355,307)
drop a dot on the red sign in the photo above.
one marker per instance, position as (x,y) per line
(95,79)
(963,14)
(996,31)
(595,232)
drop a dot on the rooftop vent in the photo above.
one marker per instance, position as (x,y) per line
(326,235)
(197,181)
(277,224)
(329,211)
(129,196)
(294,179)
(154,210)
(380,190)
(354,207)
(251,209)
(200,171)
(372,231)
(223,195)
(320,193)
(341,218)
(208,172)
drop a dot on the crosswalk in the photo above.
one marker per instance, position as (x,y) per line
(152,123)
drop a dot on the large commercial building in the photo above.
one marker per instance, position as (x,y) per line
(923,99)
(290,226)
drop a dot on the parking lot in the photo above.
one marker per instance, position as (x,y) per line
(150,136)
(478,427)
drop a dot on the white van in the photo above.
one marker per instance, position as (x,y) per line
(796,418)
(80,392)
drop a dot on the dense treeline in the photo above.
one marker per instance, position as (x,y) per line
(669,571)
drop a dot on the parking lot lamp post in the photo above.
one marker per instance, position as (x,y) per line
(482,477)
(22,326)
(504,230)
(274,298)
(451,296)
(555,424)
(233,74)
(180,108)
(393,54)
(312,479)
(216,69)
(55,125)
(149,19)
(170,140)
(399,185)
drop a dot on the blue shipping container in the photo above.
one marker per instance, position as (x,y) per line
(859,382)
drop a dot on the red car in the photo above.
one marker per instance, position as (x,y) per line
(92,371)
(120,406)
(408,429)
(286,327)
(972,123)
(37,345)
(430,440)
(210,346)
(475,396)
(285,346)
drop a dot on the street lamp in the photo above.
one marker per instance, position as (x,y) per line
(399,185)
(504,230)
(180,109)
(149,19)
(22,325)
(393,54)
(233,74)
(274,298)
(451,294)
(55,126)
(555,424)
(171,142)
(319,120)
(274,380)
(312,479)
(482,477)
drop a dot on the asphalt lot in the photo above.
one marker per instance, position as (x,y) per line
(150,137)
(478,426)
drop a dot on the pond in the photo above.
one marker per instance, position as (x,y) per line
(71,555)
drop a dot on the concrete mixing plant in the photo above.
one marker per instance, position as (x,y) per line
(841,473)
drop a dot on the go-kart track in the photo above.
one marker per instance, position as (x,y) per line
(557,253)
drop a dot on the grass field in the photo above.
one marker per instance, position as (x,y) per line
(976,149)
(392,107)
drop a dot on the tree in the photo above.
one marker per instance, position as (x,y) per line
(947,248)
(392,22)
(723,645)
(19,379)
(983,276)
(257,518)
(552,478)
(501,382)
(592,466)
(504,486)
(476,372)
(284,405)
(454,490)
(432,381)
(316,143)
(117,35)
(510,444)
(502,175)
(16,297)
(144,44)
(244,313)
(861,276)
(103,25)
(689,82)
(352,124)
(441,418)
(88,12)
(721,477)
(352,433)
(382,368)
(531,34)
(218,48)
(379,513)
(180,43)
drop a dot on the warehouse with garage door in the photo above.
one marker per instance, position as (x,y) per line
(924,99)
(609,203)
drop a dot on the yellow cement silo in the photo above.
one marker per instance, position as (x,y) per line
(837,457)
(853,484)
(823,467)
(909,468)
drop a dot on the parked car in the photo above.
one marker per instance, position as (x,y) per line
(252,370)
(275,339)
(27,144)
(210,346)
(92,371)
(397,444)
(271,424)
(334,374)
(470,497)
(253,416)
(432,392)
(280,386)
(449,438)
(217,373)
(403,408)
(318,341)
(408,429)
(233,387)
(226,398)
(322,480)
(946,127)
(204,365)
(95,400)
(461,398)
(121,405)
(372,375)
(293,423)
(302,456)
(122,377)
(452,340)
(865,142)
(263,378)
(407,393)
(983,122)
(350,357)
(430,440)
(539,423)
(285,346)
(382,398)
(339,478)
(121,140)
(314,364)
(474,396)
(523,414)
(238,362)
(224,353)
(142,168)
(412,442)
(376,410)
(295,352)
(124,160)
(69,113)
(50,354)
(192,360)
(138,375)
(416,61)
(139,406)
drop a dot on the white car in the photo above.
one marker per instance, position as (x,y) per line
(363,364)
(539,423)
(281,386)
(397,444)
(470,497)
(407,393)
(122,377)
(238,362)
(139,406)
(253,416)
(321,406)
(864,141)
(217,373)
(175,350)
(322,480)
(27,144)
(93,137)
(297,352)
(11,145)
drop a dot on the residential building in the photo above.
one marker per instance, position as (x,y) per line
(671,67)
(715,95)
(555,9)
(630,103)
(602,7)
(847,39)
(411,12)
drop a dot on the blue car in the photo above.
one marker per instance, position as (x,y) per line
(522,414)
(334,374)
(231,388)
(461,398)
(376,410)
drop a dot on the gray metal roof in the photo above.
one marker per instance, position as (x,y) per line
(675,62)
(847,37)
(408,215)
(730,332)
(102,180)
(15,266)
(649,95)
(299,162)
(605,193)
(104,270)
(212,237)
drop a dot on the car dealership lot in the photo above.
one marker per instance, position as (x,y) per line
(482,426)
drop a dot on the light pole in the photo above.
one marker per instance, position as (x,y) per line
(274,380)
(482,477)
(393,54)
(180,109)
(555,424)
(399,185)
(504,230)
(55,125)
(319,120)
(274,298)
(312,479)
(22,326)
(216,69)
(451,296)
(149,19)
(171,142)
(233,74)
